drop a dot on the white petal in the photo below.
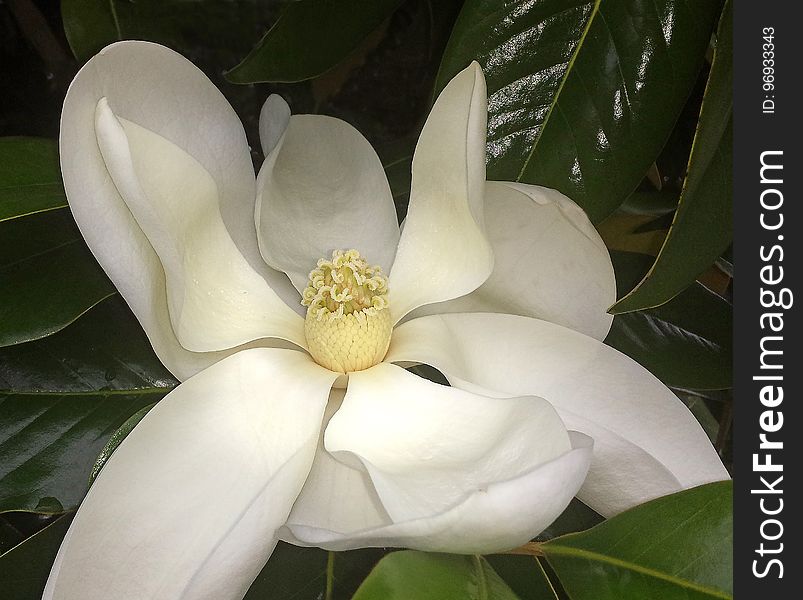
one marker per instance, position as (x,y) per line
(216,300)
(549,262)
(188,505)
(594,388)
(321,188)
(428,446)
(443,252)
(336,496)
(501,516)
(455,472)
(273,120)
(181,104)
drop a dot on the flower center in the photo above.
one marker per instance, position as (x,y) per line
(348,322)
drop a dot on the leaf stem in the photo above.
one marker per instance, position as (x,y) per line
(528,549)
(481,578)
(330,576)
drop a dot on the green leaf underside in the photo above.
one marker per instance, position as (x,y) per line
(295,573)
(525,575)
(9,536)
(410,574)
(63,397)
(30,179)
(576,517)
(702,229)
(686,343)
(582,95)
(224,27)
(678,547)
(48,277)
(24,568)
(652,203)
(309,38)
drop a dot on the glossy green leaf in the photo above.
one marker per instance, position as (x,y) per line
(582,95)
(63,397)
(106,352)
(576,517)
(698,407)
(10,536)
(309,38)
(90,25)
(48,277)
(653,203)
(679,547)
(23,524)
(225,26)
(24,568)
(50,442)
(702,229)
(409,575)
(686,343)
(525,575)
(294,573)
(292,570)
(30,179)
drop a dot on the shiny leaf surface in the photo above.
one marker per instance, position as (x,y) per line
(49,444)
(48,278)
(293,573)
(309,38)
(30,180)
(679,547)
(63,397)
(425,576)
(582,95)
(525,575)
(576,517)
(105,352)
(702,229)
(180,24)
(686,343)
(24,568)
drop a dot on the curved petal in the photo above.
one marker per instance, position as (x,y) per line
(215,299)
(321,188)
(188,505)
(336,496)
(501,516)
(273,120)
(549,262)
(210,132)
(443,252)
(436,468)
(594,388)
(427,446)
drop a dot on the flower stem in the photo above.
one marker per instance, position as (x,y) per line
(529,549)
(330,576)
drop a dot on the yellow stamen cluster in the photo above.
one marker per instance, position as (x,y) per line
(348,322)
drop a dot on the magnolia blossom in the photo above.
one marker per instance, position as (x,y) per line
(300,422)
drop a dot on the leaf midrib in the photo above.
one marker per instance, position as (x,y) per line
(554,103)
(571,552)
(87,393)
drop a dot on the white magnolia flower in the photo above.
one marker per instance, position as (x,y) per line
(255,444)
